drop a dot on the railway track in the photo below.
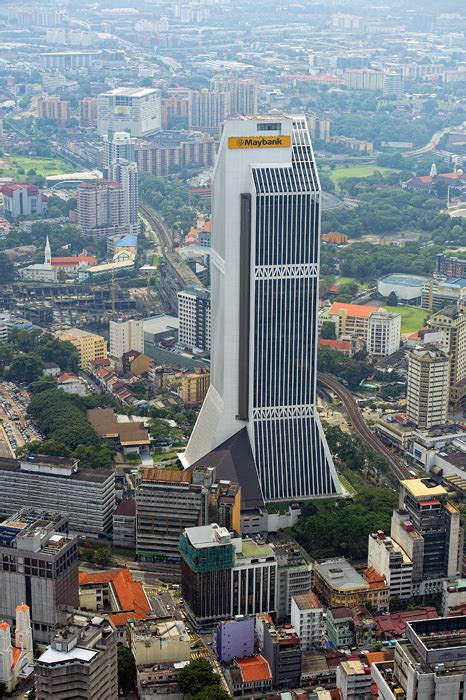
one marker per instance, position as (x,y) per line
(400,470)
(163,234)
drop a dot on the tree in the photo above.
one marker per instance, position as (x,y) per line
(126,669)
(328,332)
(392,299)
(26,368)
(103,556)
(197,676)
(7,270)
(94,456)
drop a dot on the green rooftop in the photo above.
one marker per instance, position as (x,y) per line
(253,549)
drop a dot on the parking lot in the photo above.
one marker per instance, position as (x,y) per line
(16,429)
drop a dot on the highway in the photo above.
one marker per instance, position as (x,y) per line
(400,470)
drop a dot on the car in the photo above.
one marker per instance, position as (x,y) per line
(195,645)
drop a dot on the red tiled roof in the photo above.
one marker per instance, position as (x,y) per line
(74,260)
(340,345)
(17,654)
(353,309)
(131,596)
(389,626)
(254,668)
(374,579)
(9,189)
(67,376)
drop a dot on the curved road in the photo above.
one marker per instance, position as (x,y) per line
(400,470)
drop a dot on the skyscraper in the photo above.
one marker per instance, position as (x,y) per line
(265,279)
(428,386)
(126,174)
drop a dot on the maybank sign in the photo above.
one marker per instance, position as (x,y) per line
(259,141)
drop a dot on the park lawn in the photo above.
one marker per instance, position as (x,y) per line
(343,172)
(344,280)
(42,166)
(412,318)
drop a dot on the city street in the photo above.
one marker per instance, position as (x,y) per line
(16,429)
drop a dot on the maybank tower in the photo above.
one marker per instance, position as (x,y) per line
(259,423)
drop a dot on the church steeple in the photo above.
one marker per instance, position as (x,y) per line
(48,253)
(433,170)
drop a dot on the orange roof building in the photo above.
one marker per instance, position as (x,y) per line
(335,238)
(353,319)
(115,592)
(253,673)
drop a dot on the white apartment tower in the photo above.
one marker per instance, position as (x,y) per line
(118,145)
(194,315)
(383,333)
(265,281)
(428,386)
(126,335)
(208,110)
(126,174)
(136,110)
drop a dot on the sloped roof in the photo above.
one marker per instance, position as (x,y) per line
(233,461)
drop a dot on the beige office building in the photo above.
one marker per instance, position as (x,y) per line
(428,386)
(89,345)
(452,321)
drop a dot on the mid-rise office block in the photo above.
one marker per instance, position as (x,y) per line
(354,681)
(159,641)
(136,110)
(428,386)
(126,335)
(364,79)
(167,502)
(282,650)
(193,386)
(307,618)
(88,112)
(430,662)
(223,576)
(452,321)
(89,345)
(383,333)
(194,315)
(393,85)
(387,557)
(294,575)
(40,568)
(80,662)
(58,484)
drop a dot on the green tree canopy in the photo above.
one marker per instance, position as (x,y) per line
(126,669)
(197,676)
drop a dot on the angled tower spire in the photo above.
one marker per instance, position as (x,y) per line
(48,253)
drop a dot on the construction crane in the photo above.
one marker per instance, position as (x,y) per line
(149,269)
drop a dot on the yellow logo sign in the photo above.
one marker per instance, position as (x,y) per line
(259,141)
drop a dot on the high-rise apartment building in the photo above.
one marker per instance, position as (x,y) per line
(428,386)
(126,335)
(194,315)
(208,110)
(88,112)
(58,484)
(383,333)
(55,109)
(40,568)
(126,174)
(118,145)
(265,279)
(101,209)
(80,661)
(452,321)
(393,85)
(244,95)
(364,79)
(89,345)
(137,110)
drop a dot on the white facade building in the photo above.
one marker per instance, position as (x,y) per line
(354,681)
(307,618)
(126,335)
(194,315)
(126,174)
(390,560)
(265,252)
(136,110)
(118,145)
(383,333)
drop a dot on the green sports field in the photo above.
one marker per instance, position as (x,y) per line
(343,172)
(412,318)
(41,166)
